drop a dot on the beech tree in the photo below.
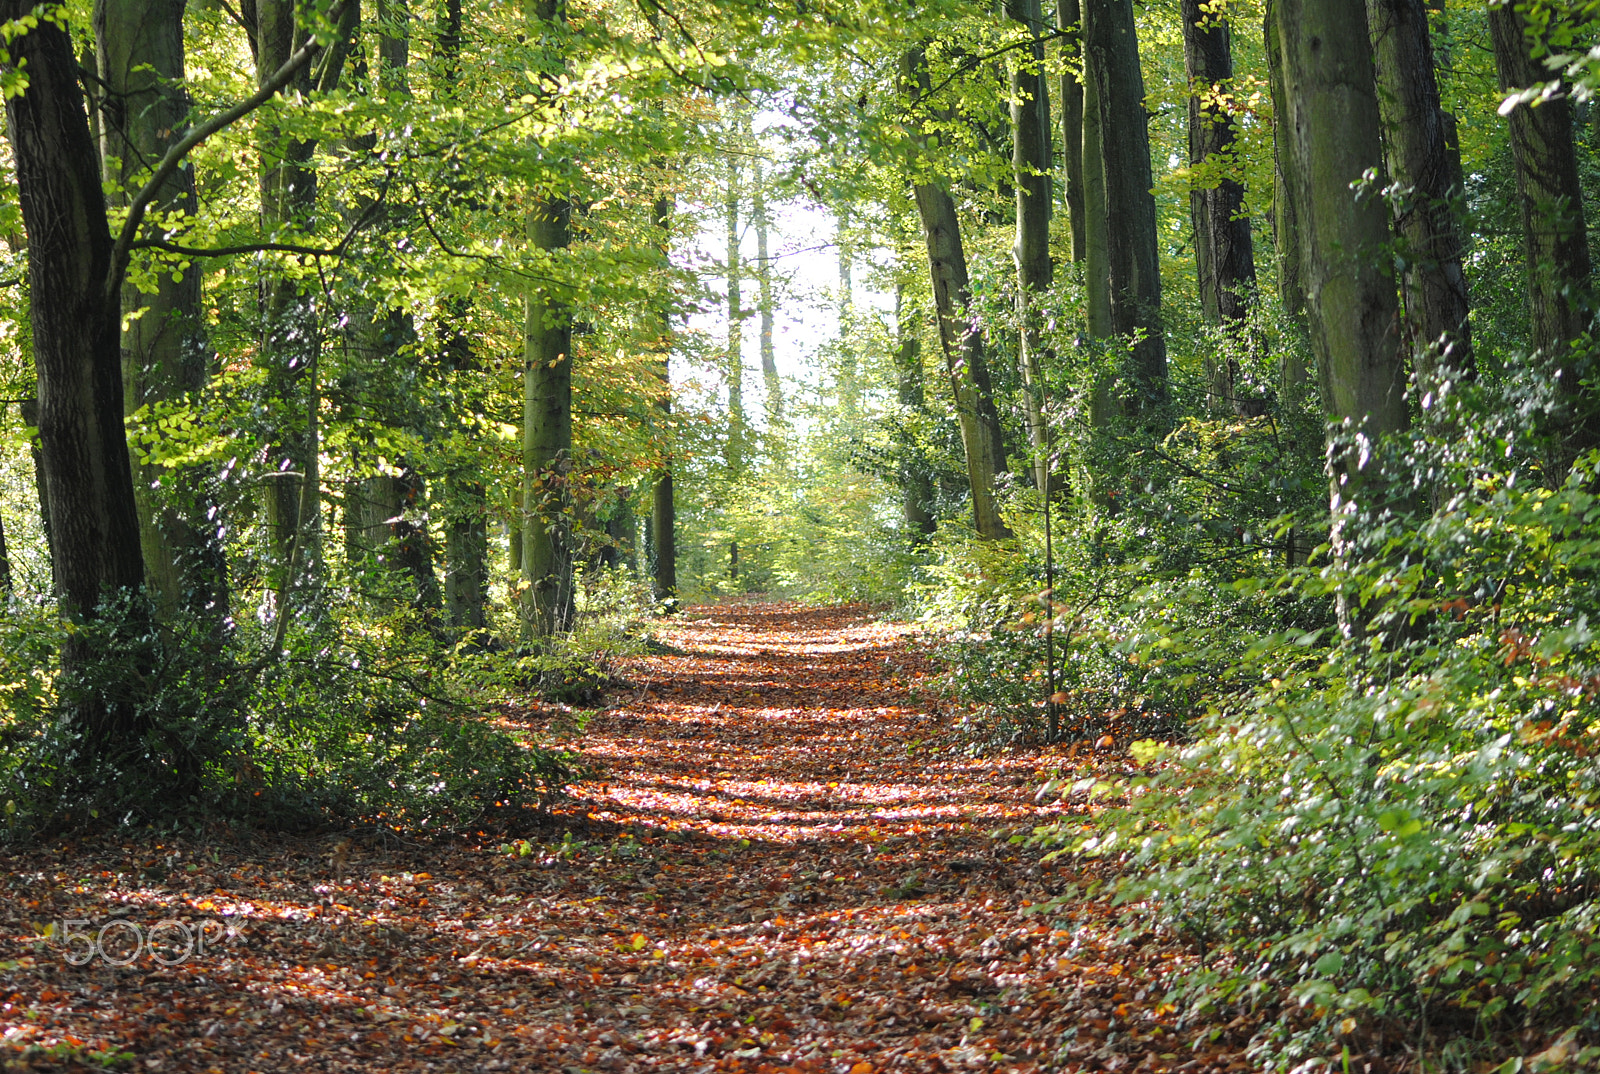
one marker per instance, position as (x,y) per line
(1111,49)
(547,463)
(963,345)
(1224,257)
(165,357)
(1332,130)
(1426,199)
(1555,240)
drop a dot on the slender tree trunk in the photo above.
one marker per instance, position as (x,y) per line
(964,357)
(1224,258)
(916,482)
(1069,19)
(663,509)
(29,412)
(291,335)
(1332,129)
(1031,168)
(165,358)
(1288,245)
(1096,228)
(466,500)
(769,357)
(547,600)
(1427,195)
(1555,234)
(88,484)
(849,373)
(962,343)
(1112,48)
(734,454)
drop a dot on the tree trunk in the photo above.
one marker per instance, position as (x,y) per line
(1555,234)
(849,374)
(1288,245)
(1096,228)
(1332,127)
(962,343)
(165,358)
(769,357)
(1427,195)
(547,601)
(291,335)
(663,509)
(1112,48)
(93,520)
(1069,20)
(734,454)
(1224,259)
(916,482)
(466,500)
(1031,167)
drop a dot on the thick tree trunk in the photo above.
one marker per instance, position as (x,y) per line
(1069,20)
(1031,168)
(1331,126)
(1427,194)
(139,51)
(93,520)
(1224,258)
(962,343)
(1555,234)
(1112,49)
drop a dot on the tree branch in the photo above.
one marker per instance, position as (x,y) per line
(180,149)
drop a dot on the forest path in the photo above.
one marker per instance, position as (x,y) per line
(781,867)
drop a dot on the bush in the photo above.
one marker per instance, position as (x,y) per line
(1394,825)
(365,717)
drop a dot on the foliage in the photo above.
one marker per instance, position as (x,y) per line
(1397,823)
(370,719)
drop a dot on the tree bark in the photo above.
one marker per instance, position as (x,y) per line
(291,335)
(916,483)
(663,518)
(547,601)
(1332,128)
(1224,257)
(1554,232)
(1427,195)
(1069,20)
(962,343)
(1112,48)
(93,519)
(165,357)
(1096,228)
(769,357)
(734,453)
(1031,168)
(1287,243)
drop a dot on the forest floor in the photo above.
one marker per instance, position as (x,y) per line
(781,866)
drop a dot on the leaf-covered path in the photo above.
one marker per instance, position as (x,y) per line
(774,872)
